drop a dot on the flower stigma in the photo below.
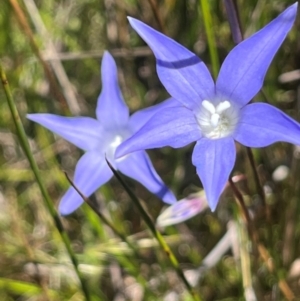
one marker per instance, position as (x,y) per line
(217,121)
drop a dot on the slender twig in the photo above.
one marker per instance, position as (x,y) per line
(48,202)
(258,185)
(215,255)
(117,52)
(58,69)
(255,174)
(263,252)
(157,235)
(48,72)
(249,292)
(156,14)
(291,235)
(234,20)
(240,198)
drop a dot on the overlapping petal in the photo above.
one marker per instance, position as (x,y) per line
(214,161)
(111,108)
(182,73)
(243,71)
(175,127)
(139,167)
(139,118)
(262,124)
(91,172)
(84,132)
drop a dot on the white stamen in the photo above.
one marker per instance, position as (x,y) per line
(209,106)
(214,119)
(222,106)
(217,121)
(114,142)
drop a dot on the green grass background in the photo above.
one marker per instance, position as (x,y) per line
(34,264)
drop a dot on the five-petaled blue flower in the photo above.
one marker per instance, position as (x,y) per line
(215,114)
(100,137)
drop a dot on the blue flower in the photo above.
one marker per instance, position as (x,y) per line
(215,114)
(100,137)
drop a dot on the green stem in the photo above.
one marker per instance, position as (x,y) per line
(157,235)
(48,202)
(103,218)
(126,261)
(259,188)
(206,14)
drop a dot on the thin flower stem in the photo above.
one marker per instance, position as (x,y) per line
(236,30)
(103,218)
(263,252)
(108,223)
(234,20)
(157,235)
(48,202)
(210,37)
(258,185)
(240,198)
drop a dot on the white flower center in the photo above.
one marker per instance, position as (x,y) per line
(112,146)
(217,121)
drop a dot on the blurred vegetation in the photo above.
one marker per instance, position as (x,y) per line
(67,39)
